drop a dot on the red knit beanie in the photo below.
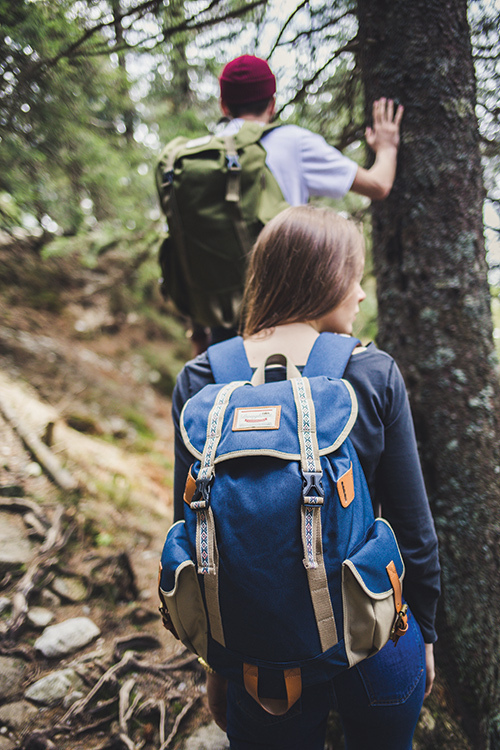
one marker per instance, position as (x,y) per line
(246,79)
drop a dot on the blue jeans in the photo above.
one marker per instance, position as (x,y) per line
(379,702)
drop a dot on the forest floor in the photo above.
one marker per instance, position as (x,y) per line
(86,368)
(78,374)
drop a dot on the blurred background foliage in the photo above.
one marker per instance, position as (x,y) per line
(91,89)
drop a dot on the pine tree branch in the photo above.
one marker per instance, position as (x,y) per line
(349,47)
(285,25)
(311,32)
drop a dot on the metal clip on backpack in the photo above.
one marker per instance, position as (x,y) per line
(279,576)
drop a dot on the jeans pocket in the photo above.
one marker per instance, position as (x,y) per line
(391,675)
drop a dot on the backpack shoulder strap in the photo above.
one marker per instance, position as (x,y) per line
(251,132)
(330,354)
(228,361)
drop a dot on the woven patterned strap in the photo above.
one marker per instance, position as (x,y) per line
(214,430)
(311,530)
(207,554)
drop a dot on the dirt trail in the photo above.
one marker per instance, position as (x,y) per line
(80,378)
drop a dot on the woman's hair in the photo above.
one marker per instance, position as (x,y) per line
(302,266)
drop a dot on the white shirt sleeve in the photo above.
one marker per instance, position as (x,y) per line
(304,164)
(326,171)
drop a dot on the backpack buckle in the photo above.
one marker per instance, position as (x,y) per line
(201,496)
(168,178)
(400,625)
(233,163)
(312,488)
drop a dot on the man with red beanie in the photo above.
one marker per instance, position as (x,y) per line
(301,161)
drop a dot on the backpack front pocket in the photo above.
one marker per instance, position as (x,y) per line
(368,595)
(180,591)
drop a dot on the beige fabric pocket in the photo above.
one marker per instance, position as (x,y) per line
(368,597)
(184,604)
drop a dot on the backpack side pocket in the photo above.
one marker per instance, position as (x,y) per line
(368,596)
(180,591)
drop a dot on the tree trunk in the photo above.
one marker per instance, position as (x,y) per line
(435,318)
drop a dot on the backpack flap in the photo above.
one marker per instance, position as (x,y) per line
(372,578)
(262,420)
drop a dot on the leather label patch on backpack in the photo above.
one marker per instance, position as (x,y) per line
(345,487)
(256,418)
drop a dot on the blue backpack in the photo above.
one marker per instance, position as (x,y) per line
(279,576)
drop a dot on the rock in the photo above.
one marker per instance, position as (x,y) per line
(33,469)
(6,744)
(67,636)
(39,617)
(15,548)
(54,687)
(11,676)
(50,599)
(426,721)
(17,715)
(209,737)
(71,588)
(72,697)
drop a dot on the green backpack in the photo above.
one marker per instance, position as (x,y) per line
(217,193)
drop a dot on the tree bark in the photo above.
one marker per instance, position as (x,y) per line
(435,319)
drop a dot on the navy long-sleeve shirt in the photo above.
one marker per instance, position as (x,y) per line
(384,438)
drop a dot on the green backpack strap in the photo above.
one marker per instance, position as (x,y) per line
(272,201)
(250,133)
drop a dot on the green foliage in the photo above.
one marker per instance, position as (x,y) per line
(64,155)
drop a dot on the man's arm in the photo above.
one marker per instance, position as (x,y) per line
(383,139)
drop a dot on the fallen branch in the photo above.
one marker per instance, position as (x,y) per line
(123,710)
(78,707)
(20,505)
(163,720)
(40,452)
(177,722)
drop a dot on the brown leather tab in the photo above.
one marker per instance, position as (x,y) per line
(345,488)
(190,487)
(401,622)
(274,706)
(396,585)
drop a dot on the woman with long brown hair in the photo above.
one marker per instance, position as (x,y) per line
(304,283)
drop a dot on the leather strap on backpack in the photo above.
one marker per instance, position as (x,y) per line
(274,706)
(401,622)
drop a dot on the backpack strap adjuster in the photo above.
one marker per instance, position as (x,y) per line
(312,489)
(233,163)
(201,497)
(168,178)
